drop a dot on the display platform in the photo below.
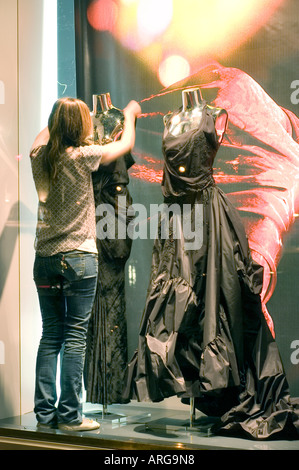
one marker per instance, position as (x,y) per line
(130,427)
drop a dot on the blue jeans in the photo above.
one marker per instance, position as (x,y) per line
(66,285)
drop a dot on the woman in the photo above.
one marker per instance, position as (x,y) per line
(65,268)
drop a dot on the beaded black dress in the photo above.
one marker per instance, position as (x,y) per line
(106,349)
(203,333)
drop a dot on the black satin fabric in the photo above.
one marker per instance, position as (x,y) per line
(203,333)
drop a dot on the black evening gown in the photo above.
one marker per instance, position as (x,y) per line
(203,333)
(106,351)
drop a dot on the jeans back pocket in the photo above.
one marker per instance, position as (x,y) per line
(73,266)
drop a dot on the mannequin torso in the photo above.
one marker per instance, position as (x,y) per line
(107,120)
(190,115)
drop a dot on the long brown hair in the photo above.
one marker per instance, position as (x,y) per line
(70,125)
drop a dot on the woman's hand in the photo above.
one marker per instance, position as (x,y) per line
(132,108)
(126,143)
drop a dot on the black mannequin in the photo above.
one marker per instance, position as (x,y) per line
(189,117)
(106,354)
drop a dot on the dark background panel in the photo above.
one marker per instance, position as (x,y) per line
(94,62)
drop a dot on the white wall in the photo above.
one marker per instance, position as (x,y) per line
(37,93)
(9,253)
(28,84)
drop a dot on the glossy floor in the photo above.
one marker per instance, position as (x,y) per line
(139,426)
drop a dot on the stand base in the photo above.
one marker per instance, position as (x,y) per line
(118,418)
(150,423)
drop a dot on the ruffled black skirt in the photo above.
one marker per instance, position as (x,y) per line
(203,333)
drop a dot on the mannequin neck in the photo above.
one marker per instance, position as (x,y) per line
(101,103)
(191,98)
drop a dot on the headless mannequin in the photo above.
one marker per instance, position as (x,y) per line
(107,120)
(107,127)
(184,119)
(102,382)
(190,114)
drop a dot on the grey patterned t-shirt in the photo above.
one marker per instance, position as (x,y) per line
(66,210)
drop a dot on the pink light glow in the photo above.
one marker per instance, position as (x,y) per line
(102,15)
